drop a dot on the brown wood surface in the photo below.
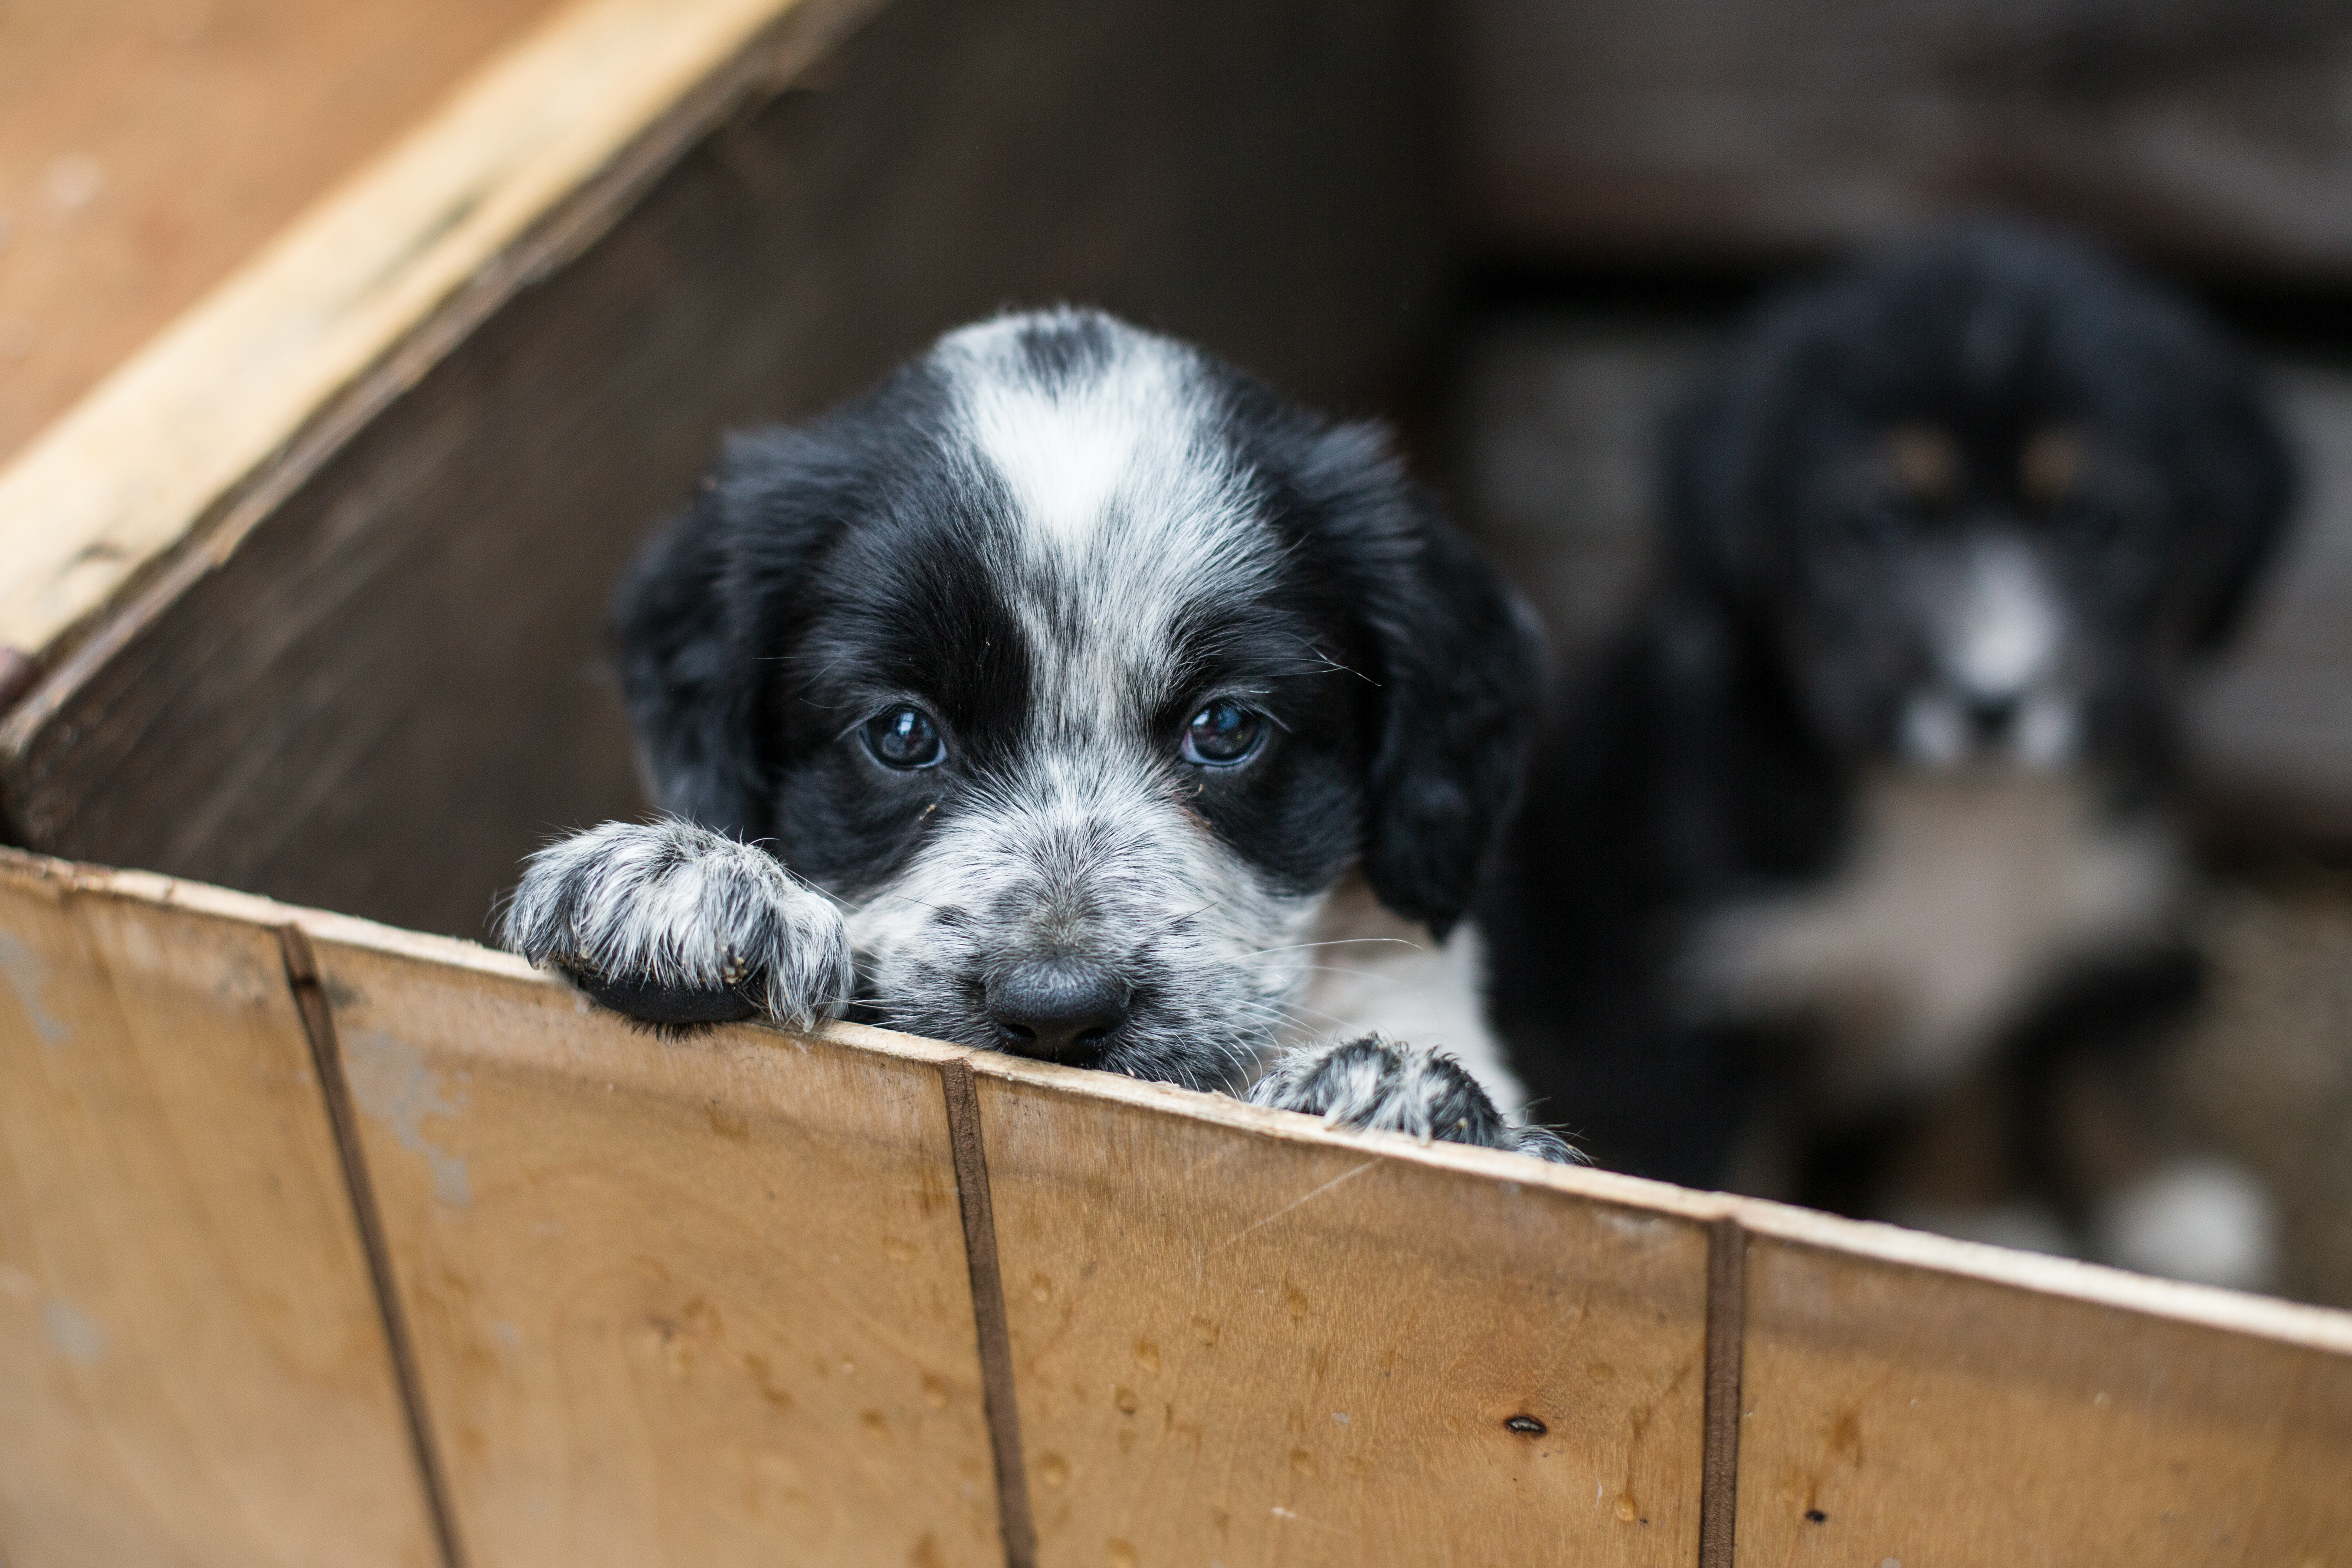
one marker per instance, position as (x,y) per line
(1721,132)
(1302,1349)
(147,147)
(192,1370)
(209,422)
(1896,1414)
(710,1301)
(699,1303)
(391,688)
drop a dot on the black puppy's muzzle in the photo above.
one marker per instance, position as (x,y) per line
(1060,1009)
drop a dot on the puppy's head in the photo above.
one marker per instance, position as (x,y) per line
(1079,669)
(1983,502)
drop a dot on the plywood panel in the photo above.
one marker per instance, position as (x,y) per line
(700,1304)
(149,146)
(1708,131)
(379,682)
(192,1370)
(1905,1414)
(1240,1340)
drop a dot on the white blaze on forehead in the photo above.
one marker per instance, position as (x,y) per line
(1126,503)
(2002,634)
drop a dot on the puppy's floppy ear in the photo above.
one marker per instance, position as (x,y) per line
(690,626)
(2243,481)
(1459,677)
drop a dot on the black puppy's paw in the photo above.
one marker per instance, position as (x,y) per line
(677,926)
(1376,1085)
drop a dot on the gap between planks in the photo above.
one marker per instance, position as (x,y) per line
(998,1398)
(1726,1332)
(326,1057)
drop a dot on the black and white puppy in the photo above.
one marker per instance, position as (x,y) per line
(1069,695)
(1873,792)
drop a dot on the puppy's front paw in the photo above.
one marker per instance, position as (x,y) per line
(1377,1085)
(676,925)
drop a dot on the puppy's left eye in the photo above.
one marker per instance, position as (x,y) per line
(1224,735)
(904,738)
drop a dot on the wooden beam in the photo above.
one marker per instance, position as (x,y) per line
(145,153)
(204,429)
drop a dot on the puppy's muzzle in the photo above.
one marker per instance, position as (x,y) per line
(1060,1009)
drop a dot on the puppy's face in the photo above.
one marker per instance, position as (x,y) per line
(1080,671)
(1988,504)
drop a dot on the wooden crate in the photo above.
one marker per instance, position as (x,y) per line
(856,1297)
(325,1241)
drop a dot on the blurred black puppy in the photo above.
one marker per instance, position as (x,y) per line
(1871,794)
(1069,695)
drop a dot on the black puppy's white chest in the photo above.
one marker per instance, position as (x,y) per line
(1960,900)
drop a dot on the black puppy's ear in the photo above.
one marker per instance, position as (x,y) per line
(689,630)
(2242,478)
(1459,677)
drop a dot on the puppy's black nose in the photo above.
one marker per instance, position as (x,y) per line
(1990,718)
(1057,1009)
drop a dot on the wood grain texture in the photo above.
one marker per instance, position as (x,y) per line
(1714,131)
(306,338)
(391,687)
(699,1304)
(192,1367)
(1304,1349)
(147,147)
(1894,1412)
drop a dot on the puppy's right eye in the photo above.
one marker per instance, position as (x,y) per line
(903,738)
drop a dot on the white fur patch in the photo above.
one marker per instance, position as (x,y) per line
(2001,632)
(1127,507)
(1964,894)
(1377,973)
(2199,1218)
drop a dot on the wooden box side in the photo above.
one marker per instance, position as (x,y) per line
(193,1366)
(697,1302)
(1238,1337)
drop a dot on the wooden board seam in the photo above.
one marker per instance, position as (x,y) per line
(319,1025)
(998,1393)
(1726,1338)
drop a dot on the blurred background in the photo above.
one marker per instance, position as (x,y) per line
(1599,191)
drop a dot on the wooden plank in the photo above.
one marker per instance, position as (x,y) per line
(192,1370)
(700,1303)
(390,689)
(1714,131)
(303,338)
(1897,1412)
(1238,1338)
(147,149)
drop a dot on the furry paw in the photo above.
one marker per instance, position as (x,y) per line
(1376,1085)
(676,925)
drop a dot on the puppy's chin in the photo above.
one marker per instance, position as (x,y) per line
(1937,731)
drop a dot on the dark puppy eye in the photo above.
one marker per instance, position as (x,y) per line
(903,738)
(1224,735)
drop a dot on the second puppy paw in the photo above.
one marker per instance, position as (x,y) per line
(1377,1085)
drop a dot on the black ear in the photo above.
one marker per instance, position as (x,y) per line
(1459,677)
(691,628)
(2243,481)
